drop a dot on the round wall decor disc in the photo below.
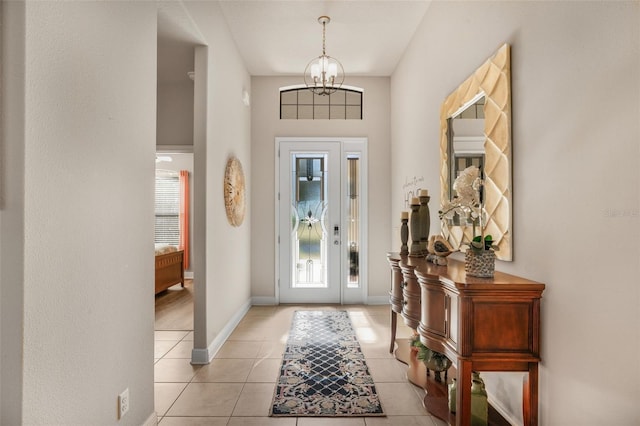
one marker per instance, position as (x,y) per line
(234,191)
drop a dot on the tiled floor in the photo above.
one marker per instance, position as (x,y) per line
(237,386)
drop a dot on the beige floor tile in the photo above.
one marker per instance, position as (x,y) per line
(194,421)
(225,370)
(253,322)
(274,333)
(239,349)
(262,421)
(181,350)
(261,311)
(331,421)
(399,399)
(386,370)
(381,322)
(272,349)
(362,318)
(255,400)
(354,308)
(247,333)
(376,349)
(421,392)
(162,347)
(240,381)
(174,370)
(278,321)
(403,332)
(377,309)
(207,399)
(438,422)
(373,334)
(165,394)
(170,335)
(265,370)
(401,421)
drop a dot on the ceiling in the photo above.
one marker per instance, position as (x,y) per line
(276,37)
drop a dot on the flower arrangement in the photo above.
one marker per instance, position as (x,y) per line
(468,205)
(466,202)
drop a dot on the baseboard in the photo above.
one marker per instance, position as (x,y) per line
(188,275)
(204,356)
(271,301)
(152,420)
(264,301)
(378,300)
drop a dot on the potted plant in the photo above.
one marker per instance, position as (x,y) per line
(468,204)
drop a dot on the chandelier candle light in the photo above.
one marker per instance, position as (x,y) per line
(324,74)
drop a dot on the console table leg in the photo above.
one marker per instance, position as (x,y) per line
(394,324)
(463,393)
(530,396)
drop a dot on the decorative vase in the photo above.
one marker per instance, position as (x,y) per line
(452,395)
(481,263)
(476,376)
(479,404)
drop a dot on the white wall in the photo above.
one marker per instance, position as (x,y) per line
(266,125)
(79,279)
(11,212)
(221,264)
(576,110)
(175,113)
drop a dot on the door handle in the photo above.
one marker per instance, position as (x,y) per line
(336,235)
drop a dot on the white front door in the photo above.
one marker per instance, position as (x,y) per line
(319,248)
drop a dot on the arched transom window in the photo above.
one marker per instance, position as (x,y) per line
(299,103)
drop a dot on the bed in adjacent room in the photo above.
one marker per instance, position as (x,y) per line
(169,267)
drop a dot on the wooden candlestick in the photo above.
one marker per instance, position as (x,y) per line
(404,235)
(416,249)
(425,220)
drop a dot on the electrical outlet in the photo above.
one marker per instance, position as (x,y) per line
(123,403)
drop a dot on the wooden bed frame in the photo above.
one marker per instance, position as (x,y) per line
(169,270)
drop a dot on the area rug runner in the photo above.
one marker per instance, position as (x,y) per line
(323,372)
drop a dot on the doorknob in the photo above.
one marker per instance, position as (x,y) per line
(336,235)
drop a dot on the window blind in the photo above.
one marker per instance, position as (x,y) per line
(167,210)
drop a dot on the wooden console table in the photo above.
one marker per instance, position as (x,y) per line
(480,324)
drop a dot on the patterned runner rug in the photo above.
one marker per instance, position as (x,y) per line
(323,372)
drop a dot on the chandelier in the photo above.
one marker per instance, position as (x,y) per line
(324,74)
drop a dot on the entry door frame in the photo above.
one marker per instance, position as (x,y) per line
(348,145)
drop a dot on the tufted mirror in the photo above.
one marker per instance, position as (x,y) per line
(484,97)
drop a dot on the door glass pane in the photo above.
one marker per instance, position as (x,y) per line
(308,224)
(353,218)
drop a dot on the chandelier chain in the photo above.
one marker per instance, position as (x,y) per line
(324,28)
(324,74)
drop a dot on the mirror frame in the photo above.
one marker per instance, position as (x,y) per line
(493,78)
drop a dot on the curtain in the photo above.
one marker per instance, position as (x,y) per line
(184,216)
